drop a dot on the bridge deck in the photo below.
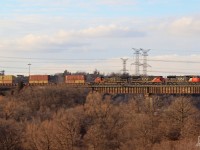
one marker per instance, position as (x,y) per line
(128,88)
(153,89)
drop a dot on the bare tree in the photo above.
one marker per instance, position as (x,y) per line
(10,135)
(68,128)
(107,123)
(176,117)
(39,136)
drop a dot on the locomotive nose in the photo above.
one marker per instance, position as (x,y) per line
(194,79)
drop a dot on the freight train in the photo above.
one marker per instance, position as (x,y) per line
(84,79)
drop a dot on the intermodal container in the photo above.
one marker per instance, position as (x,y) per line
(38,79)
(7,79)
(74,77)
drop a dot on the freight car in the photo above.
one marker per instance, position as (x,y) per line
(7,80)
(55,79)
(42,79)
(75,79)
(38,79)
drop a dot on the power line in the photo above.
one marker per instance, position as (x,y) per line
(177,50)
(41,60)
(185,73)
(177,61)
(34,58)
(74,64)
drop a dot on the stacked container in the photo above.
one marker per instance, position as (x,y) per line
(39,79)
(75,79)
(7,79)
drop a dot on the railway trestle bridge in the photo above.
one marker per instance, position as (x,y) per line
(127,89)
(147,89)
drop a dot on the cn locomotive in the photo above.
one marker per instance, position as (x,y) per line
(149,80)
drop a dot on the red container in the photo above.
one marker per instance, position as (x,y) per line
(38,78)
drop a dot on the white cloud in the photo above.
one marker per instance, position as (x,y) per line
(117,2)
(186,26)
(108,31)
(68,38)
(31,40)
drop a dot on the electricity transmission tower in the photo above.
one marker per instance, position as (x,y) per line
(145,65)
(137,61)
(124,65)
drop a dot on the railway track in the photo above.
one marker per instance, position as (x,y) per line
(123,88)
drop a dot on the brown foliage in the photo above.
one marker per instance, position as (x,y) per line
(68,128)
(61,133)
(176,118)
(10,135)
(39,136)
(107,123)
(14,109)
(59,118)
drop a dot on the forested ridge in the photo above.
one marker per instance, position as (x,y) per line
(60,118)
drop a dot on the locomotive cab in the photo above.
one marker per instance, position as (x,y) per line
(99,80)
(194,79)
(158,79)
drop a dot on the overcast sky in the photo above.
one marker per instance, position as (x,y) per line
(83,35)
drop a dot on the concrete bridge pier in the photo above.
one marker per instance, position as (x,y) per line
(115,97)
(149,102)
